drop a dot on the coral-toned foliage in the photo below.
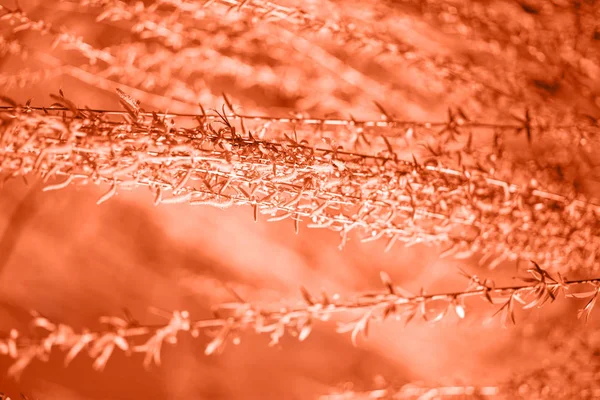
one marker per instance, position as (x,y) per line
(314,169)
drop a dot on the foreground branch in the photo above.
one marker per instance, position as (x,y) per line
(231,319)
(380,196)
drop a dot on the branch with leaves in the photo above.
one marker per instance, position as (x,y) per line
(213,163)
(175,24)
(418,391)
(231,319)
(154,22)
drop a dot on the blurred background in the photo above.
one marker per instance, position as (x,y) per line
(74,261)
